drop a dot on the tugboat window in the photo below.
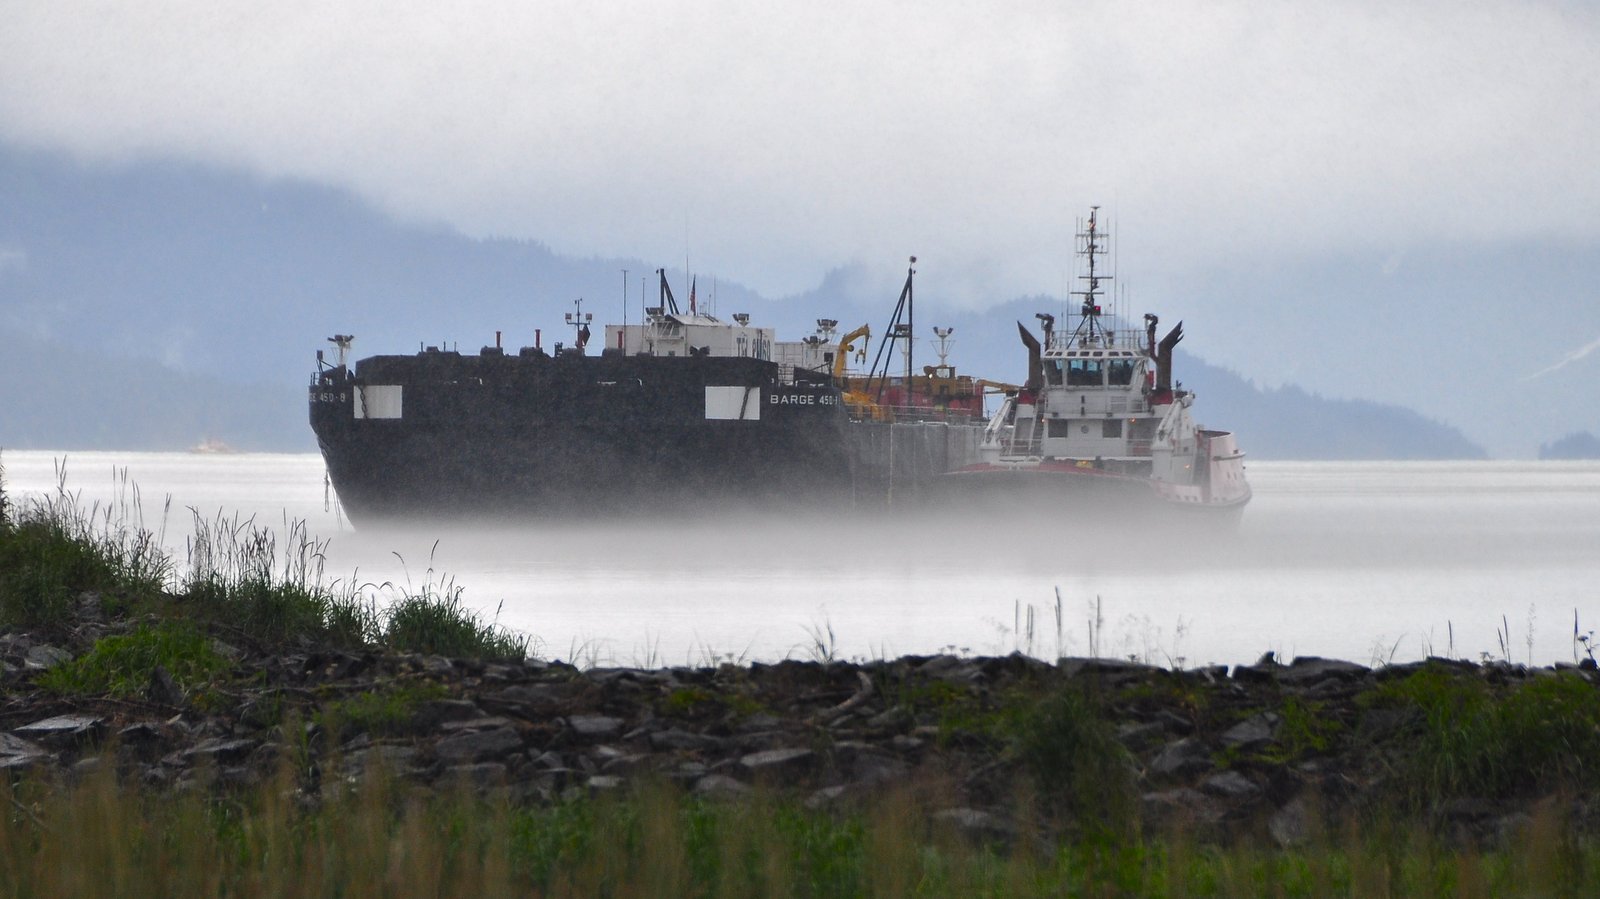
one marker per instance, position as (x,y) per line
(1052,371)
(1084,373)
(1111,427)
(1119,372)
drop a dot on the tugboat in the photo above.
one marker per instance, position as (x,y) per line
(1100,416)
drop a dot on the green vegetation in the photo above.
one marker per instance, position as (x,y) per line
(382,712)
(1306,729)
(237,579)
(53,550)
(434,621)
(1077,765)
(99,837)
(1470,738)
(123,665)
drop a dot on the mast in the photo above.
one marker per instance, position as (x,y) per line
(1092,244)
(897,330)
(580,320)
(944,343)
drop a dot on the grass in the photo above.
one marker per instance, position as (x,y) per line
(1472,738)
(1079,769)
(53,548)
(381,837)
(386,711)
(434,621)
(123,665)
(238,580)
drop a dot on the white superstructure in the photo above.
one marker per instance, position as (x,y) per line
(1100,402)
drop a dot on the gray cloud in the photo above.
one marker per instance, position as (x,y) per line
(771,141)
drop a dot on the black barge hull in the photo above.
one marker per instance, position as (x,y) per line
(440,434)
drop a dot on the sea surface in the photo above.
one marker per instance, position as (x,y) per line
(1371,562)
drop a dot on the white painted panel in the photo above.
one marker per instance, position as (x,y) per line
(733,403)
(378,401)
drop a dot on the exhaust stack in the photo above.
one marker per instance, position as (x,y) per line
(1035,367)
(1164,358)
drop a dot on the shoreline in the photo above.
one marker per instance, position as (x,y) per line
(1259,753)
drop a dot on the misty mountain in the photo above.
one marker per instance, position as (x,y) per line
(57,396)
(154,305)
(1580,445)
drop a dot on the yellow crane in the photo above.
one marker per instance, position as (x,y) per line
(856,402)
(865,333)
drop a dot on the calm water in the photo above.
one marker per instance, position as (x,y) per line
(1362,561)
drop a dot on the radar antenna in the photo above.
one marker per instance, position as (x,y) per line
(943,348)
(342,341)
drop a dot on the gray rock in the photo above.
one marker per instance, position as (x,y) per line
(975,823)
(217,750)
(1253,732)
(894,719)
(1140,735)
(720,786)
(144,740)
(388,757)
(1263,671)
(903,743)
(1175,722)
(550,760)
(15,752)
(1230,785)
(675,738)
(531,700)
(64,730)
(1181,758)
(625,764)
(775,761)
(876,768)
(86,767)
(594,725)
(163,690)
(1290,826)
(1183,807)
(44,656)
(688,772)
(90,607)
(435,712)
(468,724)
(825,797)
(604,782)
(950,668)
(481,774)
(760,721)
(474,746)
(231,653)
(1310,669)
(772,739)
(1113,669)
(495,672)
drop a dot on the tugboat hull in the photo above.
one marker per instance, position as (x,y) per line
(1062,485)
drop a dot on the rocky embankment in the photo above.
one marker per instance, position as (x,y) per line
(1265,751)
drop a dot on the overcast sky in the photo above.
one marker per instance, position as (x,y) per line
(771,141)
